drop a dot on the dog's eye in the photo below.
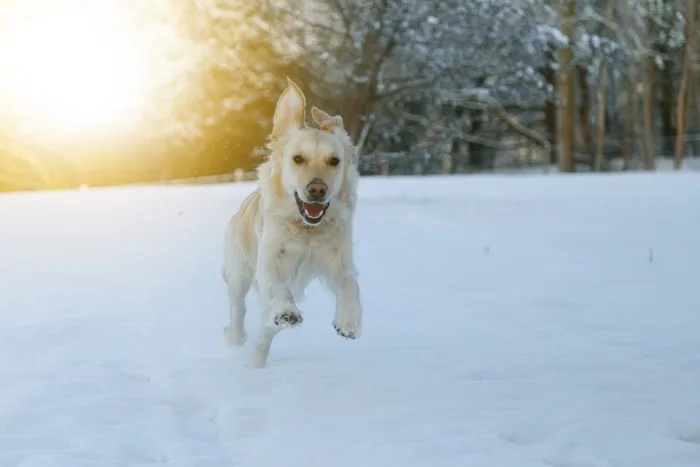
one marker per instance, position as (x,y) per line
(298,159)
(333,161)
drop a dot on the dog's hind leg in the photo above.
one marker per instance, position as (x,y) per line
(238,275)
(238,282)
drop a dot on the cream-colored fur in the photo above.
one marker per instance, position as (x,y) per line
(270,243)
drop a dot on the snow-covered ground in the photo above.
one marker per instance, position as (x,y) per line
(510,321)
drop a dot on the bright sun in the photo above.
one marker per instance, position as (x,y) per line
(74,68)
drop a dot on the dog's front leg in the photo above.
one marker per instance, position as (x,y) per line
(342,277)
(276,300)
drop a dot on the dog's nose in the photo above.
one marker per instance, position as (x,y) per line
(316,190)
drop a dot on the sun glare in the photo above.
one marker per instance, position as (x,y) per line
(72,68)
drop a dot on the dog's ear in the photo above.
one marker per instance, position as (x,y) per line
(290,111)
(325,121)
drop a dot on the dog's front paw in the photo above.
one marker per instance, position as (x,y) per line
(288,317)
(348,332)
(347,326)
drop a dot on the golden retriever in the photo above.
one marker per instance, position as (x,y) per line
(295,227)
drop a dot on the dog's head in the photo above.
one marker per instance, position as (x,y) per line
(311,162)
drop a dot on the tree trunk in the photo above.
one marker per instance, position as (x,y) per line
(629,122)
(688,64)
(585,112)
(550,106)
(566,116)
(666,94)
(477,151)
(600,133)
(649,149)
(566,94)
(631,81)
(602,102)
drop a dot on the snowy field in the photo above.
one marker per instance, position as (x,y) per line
(510,321)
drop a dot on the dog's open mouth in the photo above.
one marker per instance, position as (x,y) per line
(312,213)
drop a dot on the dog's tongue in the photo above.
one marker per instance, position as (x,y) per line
(313,210)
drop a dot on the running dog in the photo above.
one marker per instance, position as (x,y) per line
(295,227)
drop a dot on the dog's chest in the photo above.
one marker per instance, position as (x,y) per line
(305,258)
(300,254)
